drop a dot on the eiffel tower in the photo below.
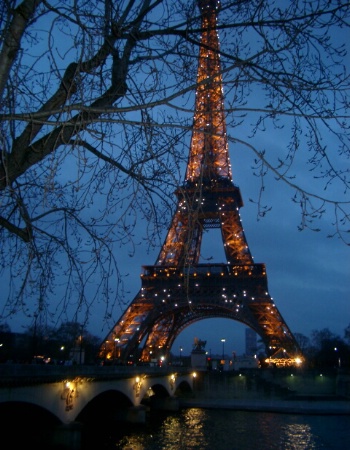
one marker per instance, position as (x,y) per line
(178,291)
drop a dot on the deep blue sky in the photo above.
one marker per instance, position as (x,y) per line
(308,273)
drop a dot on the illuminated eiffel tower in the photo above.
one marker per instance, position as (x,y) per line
(178,291)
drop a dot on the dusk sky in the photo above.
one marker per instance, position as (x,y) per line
(308,272)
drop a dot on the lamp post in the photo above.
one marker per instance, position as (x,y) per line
(81,344)
(223,348)
(180,356)
(35,341)
(339,360)
(62,352)
(116,340)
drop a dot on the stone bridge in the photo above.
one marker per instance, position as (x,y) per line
(70,393)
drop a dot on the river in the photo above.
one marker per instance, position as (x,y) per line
(200,429)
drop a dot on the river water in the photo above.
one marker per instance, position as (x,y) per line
(201,429)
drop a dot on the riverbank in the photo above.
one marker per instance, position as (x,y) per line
(306,406)
(302,392)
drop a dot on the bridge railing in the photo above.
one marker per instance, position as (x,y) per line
(41,373)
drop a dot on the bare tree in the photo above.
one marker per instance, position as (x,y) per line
(96,111)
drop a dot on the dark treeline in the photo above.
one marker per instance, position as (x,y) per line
(72,343)
(69,342)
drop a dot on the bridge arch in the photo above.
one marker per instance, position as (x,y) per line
(69,400)
(23,422)
(108,406)
(64,401)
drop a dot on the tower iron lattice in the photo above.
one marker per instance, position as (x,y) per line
(177,290)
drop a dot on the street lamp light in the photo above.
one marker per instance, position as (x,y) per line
(223,348)
(181,355)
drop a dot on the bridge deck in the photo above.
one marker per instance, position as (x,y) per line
(30,374)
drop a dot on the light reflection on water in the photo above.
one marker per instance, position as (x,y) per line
(200,429)
(297,437)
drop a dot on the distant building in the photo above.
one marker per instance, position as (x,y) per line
(245,362)
(251,345)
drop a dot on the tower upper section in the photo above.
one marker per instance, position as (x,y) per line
(209,156)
